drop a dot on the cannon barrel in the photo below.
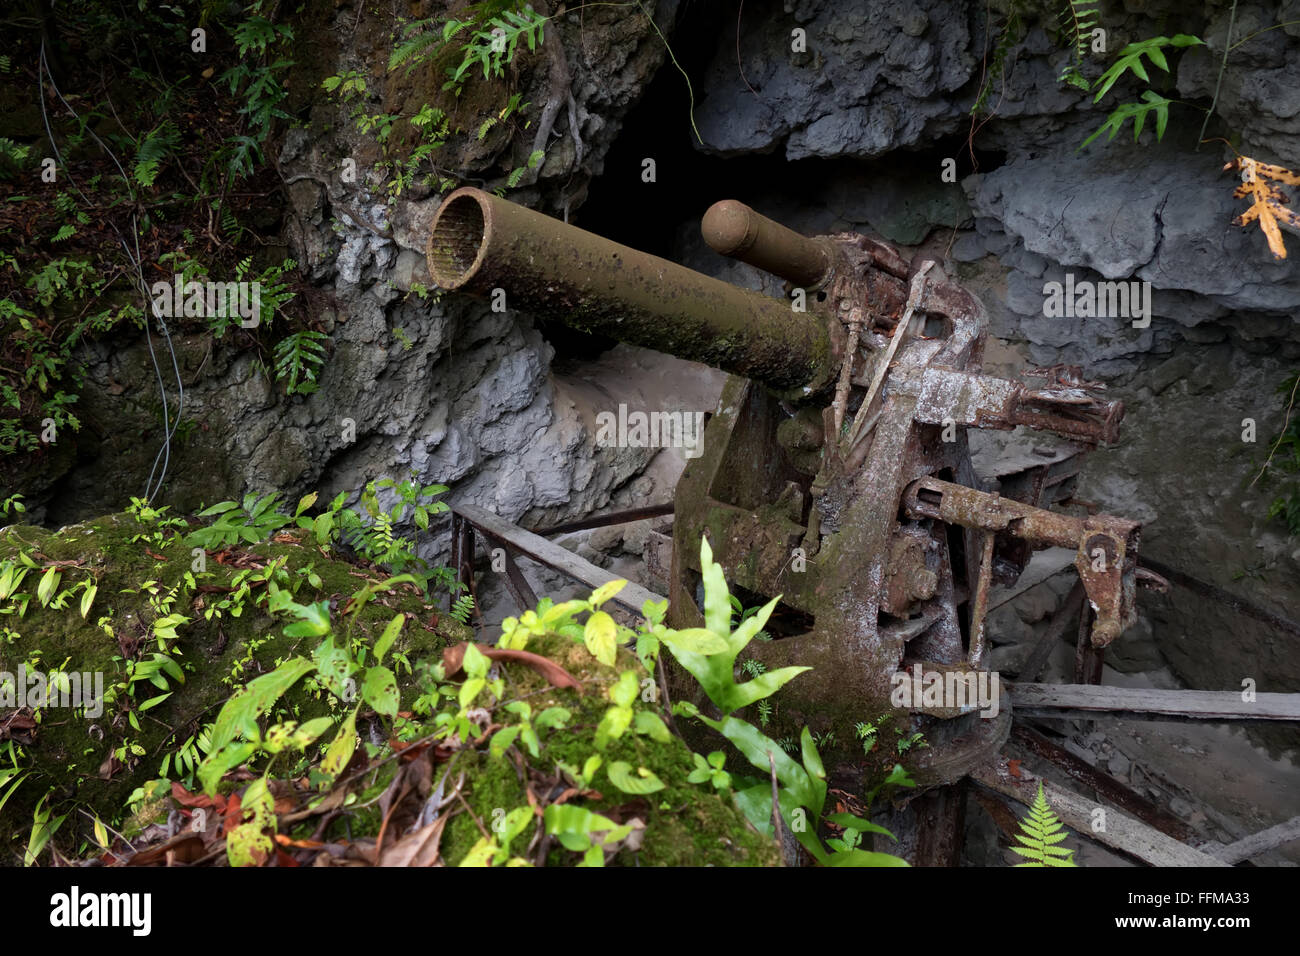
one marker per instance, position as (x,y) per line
(480,242)
(733,229)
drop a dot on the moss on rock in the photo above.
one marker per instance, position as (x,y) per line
(71,752)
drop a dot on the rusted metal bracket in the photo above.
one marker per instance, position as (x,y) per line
(1106,546)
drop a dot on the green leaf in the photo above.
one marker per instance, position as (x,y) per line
(43,828)
(333,667)
(379,690)
(695,640)
(642,782)
(154,701)
(88,598)
(651,725)
(481,853)
(764,685)
(858,823)
(386,639)
(312,729)
(612,725)
(567,820)
(717,609)
(624,691)
(241,712)
(313,620)
(864,858)
(45,589)
(556,717)
(601,637)
(221,761)
(502,740)
(341,748)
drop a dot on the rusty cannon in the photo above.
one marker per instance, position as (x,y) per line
(836,471)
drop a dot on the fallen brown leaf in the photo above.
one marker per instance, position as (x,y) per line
(420,848)
(453,659)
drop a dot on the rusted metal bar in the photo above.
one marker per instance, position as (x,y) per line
(1106,546)
(980,610)
(462,551)
(1037,659)
(518,585)
(972,398)
(1147,703)
(601,521)
(1107,786)
(734,230)
(480,243)
(1087,656)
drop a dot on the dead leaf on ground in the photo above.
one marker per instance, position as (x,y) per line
(419,848)
(454,657)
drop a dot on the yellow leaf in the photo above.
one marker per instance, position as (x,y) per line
(600,636)
(1266,199)
(605,592)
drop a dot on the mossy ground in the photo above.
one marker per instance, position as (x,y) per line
(71,753)
(687,824)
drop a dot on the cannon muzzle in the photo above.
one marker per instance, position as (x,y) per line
(480,242)
(734,230)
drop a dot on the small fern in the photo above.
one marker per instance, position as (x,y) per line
(156,145)
(1040,832)
(462,608)
(1078,20)
(298,357)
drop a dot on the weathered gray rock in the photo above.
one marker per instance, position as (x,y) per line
(873,77)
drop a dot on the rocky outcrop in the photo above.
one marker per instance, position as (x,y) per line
(443,388)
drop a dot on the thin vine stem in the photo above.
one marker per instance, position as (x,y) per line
(1223,66)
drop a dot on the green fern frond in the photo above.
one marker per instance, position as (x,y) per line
(462,608)
(1078,19)
(1040,832)
(153,148)
(298,358)
(1011,34)
(1138,113)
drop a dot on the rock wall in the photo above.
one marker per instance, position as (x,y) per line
(446,389)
